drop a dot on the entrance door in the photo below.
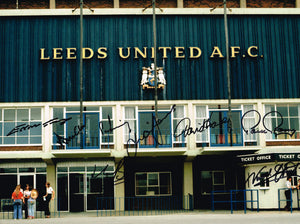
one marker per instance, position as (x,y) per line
(26,179)
(77,192)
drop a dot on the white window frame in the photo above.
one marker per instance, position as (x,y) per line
(158,185)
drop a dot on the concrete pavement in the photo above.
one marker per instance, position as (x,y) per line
(195,217)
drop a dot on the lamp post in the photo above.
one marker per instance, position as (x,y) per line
(155,65)
(81,73)
(229,122)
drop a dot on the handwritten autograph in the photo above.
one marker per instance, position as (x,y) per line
(156,133)
(273,174)
(278,130)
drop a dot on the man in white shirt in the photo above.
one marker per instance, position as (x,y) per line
(288,193)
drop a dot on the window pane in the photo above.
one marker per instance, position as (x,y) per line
(141,179)
(218,178)
(164,179)
(153,179)
(293,111)
(22,140)
(35,140)
(22,115)
(106,112)
(71,125)
(9,115)
(206,182)
(201,111)
(23,130)
(36,128)
(141,190)
(9,140)
(129,113)
(217,134)
(153,191)
(179,112)
(36,114)
(92,130)
(8,127)
(283,110)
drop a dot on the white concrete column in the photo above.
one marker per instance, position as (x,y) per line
(116,3)
(243,3)
(46,131)
(187,182)
(179,3)
(51,178)
(118,132)
(262,137)
(119,187)
(52,4)
(191,139)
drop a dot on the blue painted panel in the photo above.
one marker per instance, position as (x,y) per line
(25,78)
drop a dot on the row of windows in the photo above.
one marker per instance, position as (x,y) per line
(143,128)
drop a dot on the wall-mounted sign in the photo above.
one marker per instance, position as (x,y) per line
(71,53)
(272,157)
(148,77)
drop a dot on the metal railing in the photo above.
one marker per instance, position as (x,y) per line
(236,196)
(150,205)
(288,200)
(7,210)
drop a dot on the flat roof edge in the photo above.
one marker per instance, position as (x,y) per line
(141,11)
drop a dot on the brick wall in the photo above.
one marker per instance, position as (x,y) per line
(21,148)
(89,3)
(271,4)
(7,4)
(147,3)
(44,4)
(210,4)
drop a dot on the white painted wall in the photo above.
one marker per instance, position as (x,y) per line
(268,197)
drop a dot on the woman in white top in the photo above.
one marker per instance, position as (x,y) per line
(26,195)
(50,194)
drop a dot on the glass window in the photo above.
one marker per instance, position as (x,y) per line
(179,124)
(153,183)
(201,119)
(250,118)
(212,181)
(220,133)
(130,128)
(264,180)
(93,132)
(282,122)
(151,134)
(21,126)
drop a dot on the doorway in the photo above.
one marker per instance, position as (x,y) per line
(27,179)
(77,192)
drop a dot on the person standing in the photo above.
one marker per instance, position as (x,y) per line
(50,194)
(26,194)
(288,193)
(17,197)
(32,203)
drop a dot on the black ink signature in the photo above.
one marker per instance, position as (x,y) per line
(278,130)
(280,172)
(155,131)
(62,140)
(206,124)
(25,127)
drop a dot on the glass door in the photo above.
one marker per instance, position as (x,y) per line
(77,191)
(155,134)
(27,179)
(220,131)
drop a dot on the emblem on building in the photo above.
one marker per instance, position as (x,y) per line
(148,78)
